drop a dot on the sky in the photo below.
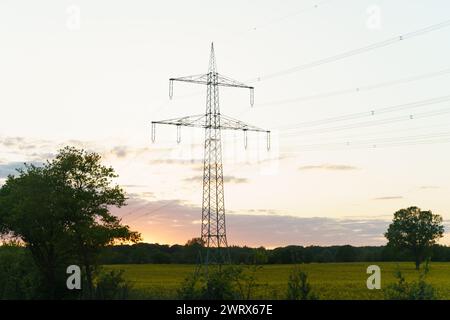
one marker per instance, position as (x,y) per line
(354,137)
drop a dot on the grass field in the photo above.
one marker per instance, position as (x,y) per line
(328,280)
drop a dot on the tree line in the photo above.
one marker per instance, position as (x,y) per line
(188,254)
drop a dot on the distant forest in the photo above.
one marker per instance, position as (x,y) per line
(189,254)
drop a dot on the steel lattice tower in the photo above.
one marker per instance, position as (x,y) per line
(213,227)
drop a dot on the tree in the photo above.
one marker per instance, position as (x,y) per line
(195,242)
(192,250)
(416,231)
(28,213)
(90,196)
(345,253)
(60,211)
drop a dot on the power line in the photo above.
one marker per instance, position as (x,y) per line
(290,15)
(129,213)
(154,210)
(378,140)
(377,122)
(370,113)
(370,134)
(444,138)
(354,52)
(357,89)
(266,24)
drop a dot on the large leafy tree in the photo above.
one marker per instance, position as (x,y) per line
(28,212)
(61,213)
(415,230)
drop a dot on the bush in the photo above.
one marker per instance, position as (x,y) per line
(189,289)
(221,283)
(417,290)
(111,286)
(217,284)
(18,274)
(298,286)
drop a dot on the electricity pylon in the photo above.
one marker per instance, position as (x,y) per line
(213,229)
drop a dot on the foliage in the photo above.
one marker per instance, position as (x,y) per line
(189,287)
(417,290)
(216,285)
(247,283)
(220,283)
(345,254)
(188,254)
(30,211)
(18,276)
(111,285)
(60,211)
(298,286)
(415,230)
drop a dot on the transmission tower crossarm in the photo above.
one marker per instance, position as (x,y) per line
(199,121)
(188,121)
(222,81)
(218,80)
(199,79)
(228,82)
(228,123)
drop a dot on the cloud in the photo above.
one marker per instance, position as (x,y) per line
(123,151)
(197,164)
(226,179)
(176,161)
(331,167)
(20,143)
(140,195)
(11,168)
(262,211)
(120,151)
(12,141)
(388,198)
(429,187)
(233,179)
(31,149)
(154,219)
(134,186)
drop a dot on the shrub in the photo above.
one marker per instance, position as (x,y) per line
(111,286)
(220,283)
(189,288)
(298,286)
(18,274)
(417,290)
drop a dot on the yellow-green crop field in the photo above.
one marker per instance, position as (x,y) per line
(328,280)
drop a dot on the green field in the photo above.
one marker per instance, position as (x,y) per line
(328,280)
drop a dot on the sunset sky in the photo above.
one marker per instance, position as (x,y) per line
(94,74)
